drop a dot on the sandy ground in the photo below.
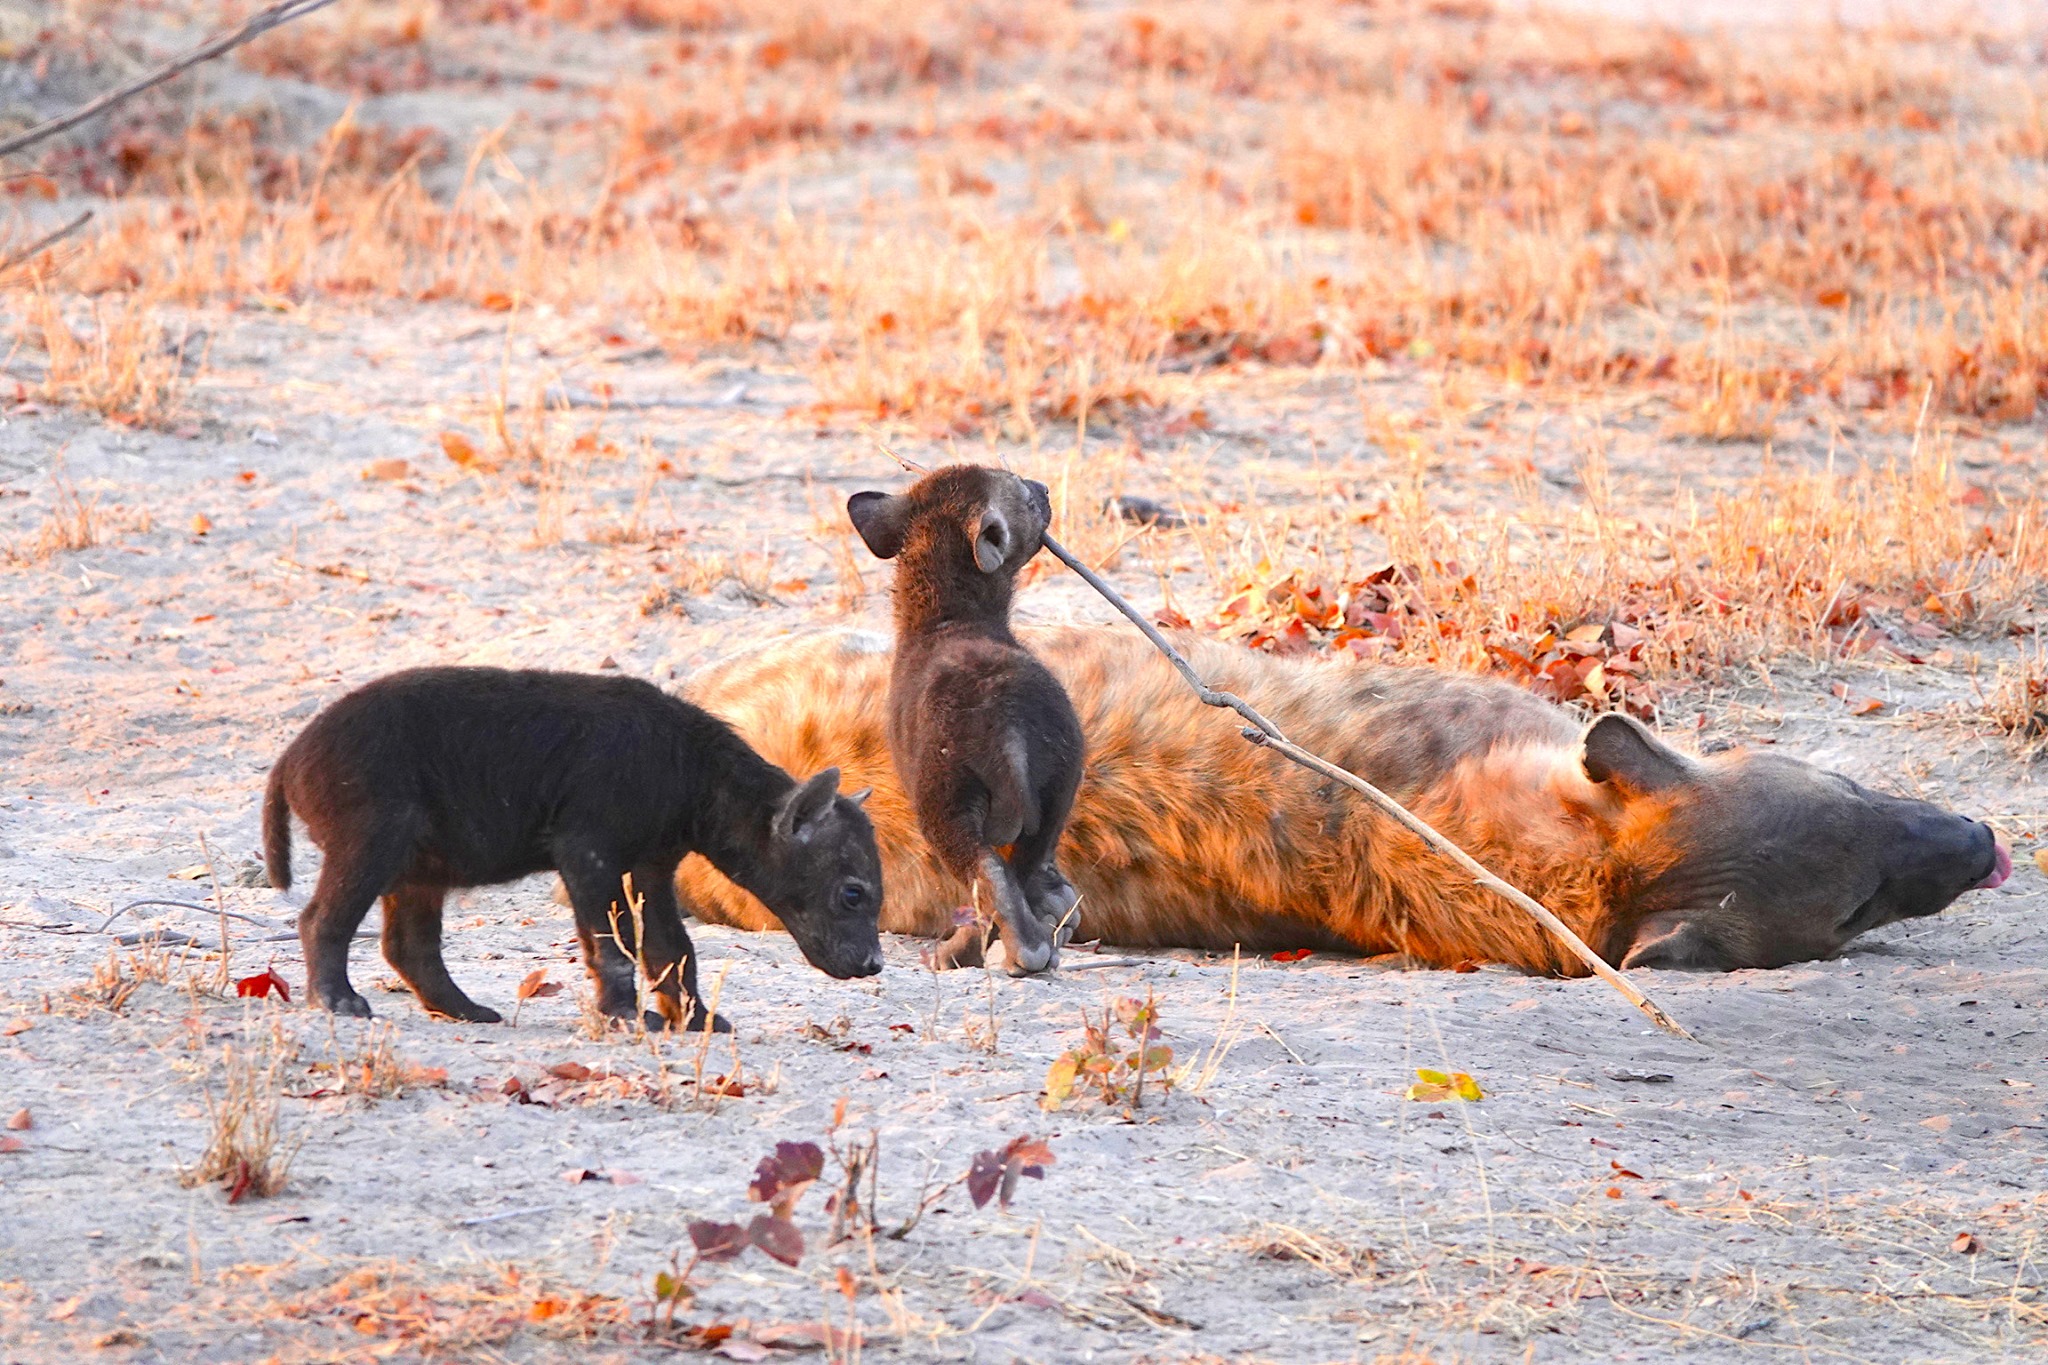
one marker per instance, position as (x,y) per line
(1848,1165)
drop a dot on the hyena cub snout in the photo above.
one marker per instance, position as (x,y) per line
(984,737)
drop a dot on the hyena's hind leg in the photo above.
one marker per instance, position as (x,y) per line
(1054,900)
(412,945)
(1028,947)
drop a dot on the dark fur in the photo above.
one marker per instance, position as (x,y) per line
(982,734)
(452,777)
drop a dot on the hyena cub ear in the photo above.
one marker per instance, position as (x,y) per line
(1620,750)
(1010,521)
(883,520)
(804,810)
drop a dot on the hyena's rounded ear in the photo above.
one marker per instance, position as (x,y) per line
(804,810)
(883,520)
(1676,944)
(1618,749)
(991,540)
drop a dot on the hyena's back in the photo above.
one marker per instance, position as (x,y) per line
(1185,835)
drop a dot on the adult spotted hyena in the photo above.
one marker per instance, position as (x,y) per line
(1183,835)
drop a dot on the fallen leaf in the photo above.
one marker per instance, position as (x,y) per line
(457,447)
(17,1026)
(618,1177)
(1939,1123)
(495,302)
(195,873)
(1965,1244)
(543,1309)
(576,1175)
(262,984)
(1291,954)
(1624,1171)
(739,1348)
(12,1144)
(570,1071)
(389,470)
(63,1312)
(2041,859)
(537,986)
(201,524)
(1614,1191)
(21,1121)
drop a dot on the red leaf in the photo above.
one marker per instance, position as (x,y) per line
(12,1144)
(984,1177)
(1292,954)
(777,1237)
(717,1241)
(262,984)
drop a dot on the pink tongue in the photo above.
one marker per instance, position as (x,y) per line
(2000,872)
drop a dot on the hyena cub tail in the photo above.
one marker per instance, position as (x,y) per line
(277,831)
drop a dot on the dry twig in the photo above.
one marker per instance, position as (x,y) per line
(255,26)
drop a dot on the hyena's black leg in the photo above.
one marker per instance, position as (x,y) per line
(355,873)
(412,945)
(670,959)
(604,923)
(1027,942)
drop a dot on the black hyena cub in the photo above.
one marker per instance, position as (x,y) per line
(984,737)
(450,777)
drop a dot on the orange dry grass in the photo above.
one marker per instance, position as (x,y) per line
(394,1304)
(1740,223)
(1888,560)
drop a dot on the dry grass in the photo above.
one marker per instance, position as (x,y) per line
(2017,703)
(1017,224)
(247,1152)
(1737,222)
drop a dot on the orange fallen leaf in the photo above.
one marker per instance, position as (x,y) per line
(201,524)
(1614,1191)
(536,986)
(457,447)
(1939,1123)
(495,302)
(1965,1244)
(21,1121)
(12,1144)
(16,1026)
(388,470)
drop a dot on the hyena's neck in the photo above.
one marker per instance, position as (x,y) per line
(1529,814)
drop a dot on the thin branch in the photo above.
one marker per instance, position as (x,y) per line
(1263,732)
(42,244)
(255,26)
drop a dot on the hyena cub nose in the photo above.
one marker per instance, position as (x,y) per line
(982,734)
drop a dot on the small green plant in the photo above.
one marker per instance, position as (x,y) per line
(1114,1057)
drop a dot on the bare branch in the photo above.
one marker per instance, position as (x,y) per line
(255,26)
(44,243)
(1263,732)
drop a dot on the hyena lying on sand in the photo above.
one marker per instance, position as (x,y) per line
(1183,835)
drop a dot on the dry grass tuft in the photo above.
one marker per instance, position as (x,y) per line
(246,1151)
(2017,703)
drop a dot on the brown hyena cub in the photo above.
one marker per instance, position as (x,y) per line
(449,777)
(982,734)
